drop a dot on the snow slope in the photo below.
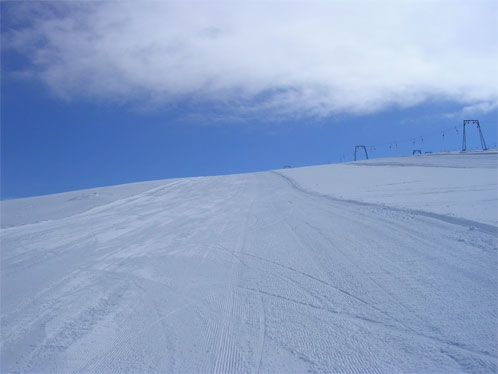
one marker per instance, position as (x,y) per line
(371,267)
(455,184)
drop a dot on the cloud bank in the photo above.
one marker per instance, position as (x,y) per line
(285,58)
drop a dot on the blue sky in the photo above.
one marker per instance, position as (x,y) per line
(110,93)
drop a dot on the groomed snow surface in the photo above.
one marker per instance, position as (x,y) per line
(380,266)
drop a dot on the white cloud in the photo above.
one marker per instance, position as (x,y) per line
(484,107)
(284,58)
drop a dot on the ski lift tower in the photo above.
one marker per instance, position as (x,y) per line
(360,147)
(472,122)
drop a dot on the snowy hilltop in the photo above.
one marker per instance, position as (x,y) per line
(377,266)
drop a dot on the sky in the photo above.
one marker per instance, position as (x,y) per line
(97,93)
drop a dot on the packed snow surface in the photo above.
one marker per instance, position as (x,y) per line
(380,266)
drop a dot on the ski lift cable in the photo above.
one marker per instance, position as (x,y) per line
(414,138)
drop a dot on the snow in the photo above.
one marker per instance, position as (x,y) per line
(455,184)
(379,266)
(57,206)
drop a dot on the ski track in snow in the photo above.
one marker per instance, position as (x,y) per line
(245,274)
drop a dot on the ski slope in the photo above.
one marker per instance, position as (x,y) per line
(380,266)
